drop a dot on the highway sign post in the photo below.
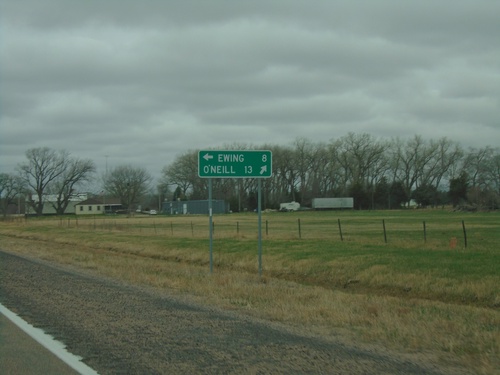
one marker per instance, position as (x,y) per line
(235,164)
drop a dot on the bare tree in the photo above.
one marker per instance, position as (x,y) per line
(494,172)
(163,193)
(11,186)
(442,155)
(476,165)
(183,172)
(44,166)
(494,178)
(323,172)
(303,151)
(286,175)
(362,161)
(75,172)
(128,183)
(329,174)
(54,172)
(409,159)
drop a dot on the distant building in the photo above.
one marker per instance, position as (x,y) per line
(194,207)
(50,202)
(98,206)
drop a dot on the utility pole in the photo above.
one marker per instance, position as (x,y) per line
(104,187)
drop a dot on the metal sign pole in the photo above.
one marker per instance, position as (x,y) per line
(210,224)
(235,164)
(259,209)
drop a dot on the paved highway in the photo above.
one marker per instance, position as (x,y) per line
(21,354)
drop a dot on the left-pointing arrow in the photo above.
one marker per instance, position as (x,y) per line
(207,156)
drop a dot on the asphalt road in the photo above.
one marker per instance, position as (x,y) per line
(21,354)
(124,329)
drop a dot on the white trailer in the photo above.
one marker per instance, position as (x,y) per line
(290,206)
(332,203)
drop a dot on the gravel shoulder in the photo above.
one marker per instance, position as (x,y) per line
(119,328)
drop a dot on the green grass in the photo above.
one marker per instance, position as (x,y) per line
(361,262)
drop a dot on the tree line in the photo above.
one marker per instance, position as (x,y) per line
(377,173)
(59,175)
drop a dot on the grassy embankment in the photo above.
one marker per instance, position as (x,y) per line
(409,289)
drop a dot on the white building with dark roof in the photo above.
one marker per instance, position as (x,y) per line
(98,206)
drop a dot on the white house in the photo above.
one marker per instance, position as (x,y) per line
(91,206)
(97,206)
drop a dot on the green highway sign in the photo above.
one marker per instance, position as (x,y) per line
(235,164)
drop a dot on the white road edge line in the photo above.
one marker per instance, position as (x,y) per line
(48,342)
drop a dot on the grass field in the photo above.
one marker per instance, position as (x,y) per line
(422,290)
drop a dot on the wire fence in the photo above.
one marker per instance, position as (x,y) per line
(453,233)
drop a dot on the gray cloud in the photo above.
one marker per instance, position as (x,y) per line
(145,81)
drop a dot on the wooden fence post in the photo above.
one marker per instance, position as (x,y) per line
(465,234)
(425,232)
(385,232)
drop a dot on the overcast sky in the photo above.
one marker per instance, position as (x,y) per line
(141,82)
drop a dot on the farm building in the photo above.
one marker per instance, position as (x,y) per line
(98,206)
(194,207)
(50,201)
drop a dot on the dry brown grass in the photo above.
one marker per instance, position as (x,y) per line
(456,333)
